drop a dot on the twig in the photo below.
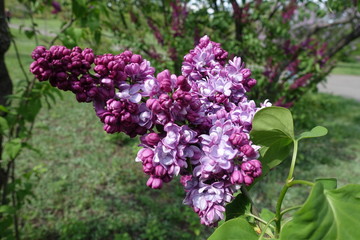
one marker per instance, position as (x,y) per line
(13,196)
(19,60)
(64,28)
(33,25)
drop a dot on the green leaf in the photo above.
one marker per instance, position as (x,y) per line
(266,214)
(12,148)
(3,125)
(317,131)
(3,109)
(234,229)
(78,8)
(29,33)
(238,207)
(97,36)
(328,183)
(272,119)
(273,129)
(274,155)
(31,110)
(7,209)
(327,214)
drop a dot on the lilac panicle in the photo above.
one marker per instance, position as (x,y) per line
(195,125)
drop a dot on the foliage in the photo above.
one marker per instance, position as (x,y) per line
(326,212)
(292,45)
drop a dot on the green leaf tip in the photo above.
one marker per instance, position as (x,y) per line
(317,131)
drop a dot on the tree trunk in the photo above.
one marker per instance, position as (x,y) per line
(5,39)
(5,81)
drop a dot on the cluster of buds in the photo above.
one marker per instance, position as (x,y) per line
(195,125)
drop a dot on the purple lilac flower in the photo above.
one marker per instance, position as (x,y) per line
(208,200)
(179,14)
(57,7)
(195,125)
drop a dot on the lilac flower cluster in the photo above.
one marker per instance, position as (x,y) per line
(195,125)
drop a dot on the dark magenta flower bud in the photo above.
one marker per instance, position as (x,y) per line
(183,83)
(128,53)
(248,180)
(238,138)
(88,55)
(252,168)
(114,105)
(166,178)
(100,69)
(165,101)
(155,183)
(192,116)
(111,120)
(195,104)
(160,171)
(153,105)
(145,155)
(107,82)
(76,87)
(61,76)
(248,150)
(236,177)
(245,72)
(38,52)
(126,117)
(110,128)
(152,139)
(81,97)
(251,83)
(148,168)
(136,58)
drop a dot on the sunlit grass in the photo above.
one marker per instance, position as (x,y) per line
(347,69)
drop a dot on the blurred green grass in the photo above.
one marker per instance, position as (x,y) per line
(50,24)
(346,68)
(91,188)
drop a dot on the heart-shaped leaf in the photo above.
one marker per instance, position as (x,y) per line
(274,118)
(317,131)
(234,229)
(273,129)
(327,214)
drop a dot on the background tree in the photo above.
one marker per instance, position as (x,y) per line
(5,39)
(292,45)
